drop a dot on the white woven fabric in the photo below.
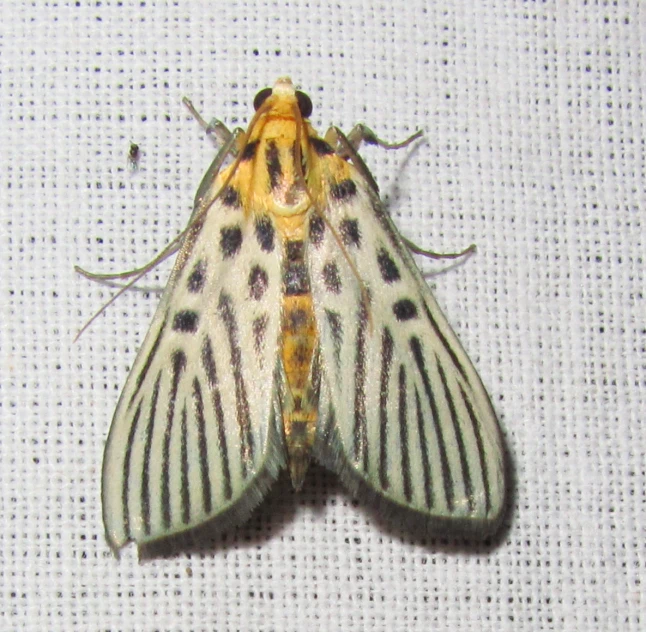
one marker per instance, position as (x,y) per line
(534,116)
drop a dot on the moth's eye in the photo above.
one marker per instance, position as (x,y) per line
(304,104)
(261,97)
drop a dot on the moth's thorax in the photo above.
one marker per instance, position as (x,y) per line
(285,190)
(280,170)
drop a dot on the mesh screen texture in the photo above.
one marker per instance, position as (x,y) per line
(534,119)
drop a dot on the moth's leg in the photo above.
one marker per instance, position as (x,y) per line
(215,128)
(207,192)
(229,140)
(169,250)
(413,247)
(361,133)
(346,146)
(137,273)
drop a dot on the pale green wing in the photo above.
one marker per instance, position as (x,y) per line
(195,432)
(403,414)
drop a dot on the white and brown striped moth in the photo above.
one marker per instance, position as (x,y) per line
(295,324)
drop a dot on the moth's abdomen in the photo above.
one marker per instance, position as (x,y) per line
(298,342)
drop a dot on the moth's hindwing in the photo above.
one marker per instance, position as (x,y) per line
(195,432)
(403,414)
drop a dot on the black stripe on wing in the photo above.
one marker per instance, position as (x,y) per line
(208,362)
(360,422)
(186,497)
(179,364)
(125,490)
(447,478)
(403,434)
(426,463)
(145,474)
(477,431)
(387,345)
(464,466)
(148,362)
(454,428)
(227,313)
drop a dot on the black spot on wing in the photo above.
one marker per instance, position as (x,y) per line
(273,164)
(186,321)
(350,233)
(230,241)
(343,190)
(404,310)
(197,278)
(331,277)
(231,197)
(258,282)
(387,267)
(317,230)
(321,148)
(265,233)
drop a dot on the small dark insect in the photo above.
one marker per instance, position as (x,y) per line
(134,156)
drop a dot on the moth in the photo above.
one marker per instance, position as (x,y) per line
(296,325)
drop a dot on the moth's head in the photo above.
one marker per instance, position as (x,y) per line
(283,99)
